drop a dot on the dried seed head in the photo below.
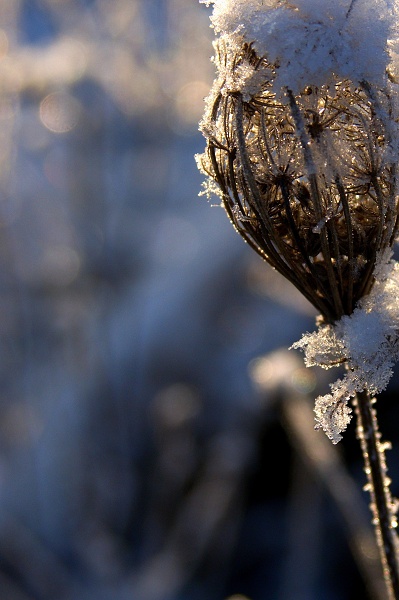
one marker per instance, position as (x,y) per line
(308,179)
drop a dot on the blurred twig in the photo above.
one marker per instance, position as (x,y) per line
(304,522)
(324,461)
(208,509)
(32,562)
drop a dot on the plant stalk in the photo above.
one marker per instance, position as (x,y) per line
(384,517)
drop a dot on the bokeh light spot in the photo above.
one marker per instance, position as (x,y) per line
(61,265)
(303,380)
(176,404)
(59,112)
(261,371)
(279,370)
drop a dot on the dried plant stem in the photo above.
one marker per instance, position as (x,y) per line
(384,517)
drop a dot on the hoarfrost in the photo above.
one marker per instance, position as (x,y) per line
(367,341)
(209,188)
(311,40)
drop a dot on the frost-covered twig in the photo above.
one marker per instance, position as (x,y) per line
(382,504)
(303,146)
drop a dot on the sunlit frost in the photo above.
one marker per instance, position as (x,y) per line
(367,341)
(311,39)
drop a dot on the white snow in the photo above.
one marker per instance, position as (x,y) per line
(367,341)
(311,40)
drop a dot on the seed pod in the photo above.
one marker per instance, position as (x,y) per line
(308,179)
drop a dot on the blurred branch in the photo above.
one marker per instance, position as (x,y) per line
(210,507)
(302,564)
(324,461)
(11,591)
(34,564)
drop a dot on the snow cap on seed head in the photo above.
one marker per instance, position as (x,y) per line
(311,40)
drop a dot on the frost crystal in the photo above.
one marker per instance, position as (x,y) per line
(311,39)
(367,341)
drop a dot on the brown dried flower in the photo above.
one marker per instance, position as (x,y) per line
(308,179)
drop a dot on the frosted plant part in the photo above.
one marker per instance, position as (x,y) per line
(308,175)
(332,416)
(367,341)
(309,181)
(309,40)
(302,129)
(302,144)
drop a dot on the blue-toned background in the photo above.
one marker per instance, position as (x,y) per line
(144,452)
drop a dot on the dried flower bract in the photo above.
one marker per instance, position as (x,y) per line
(308,179)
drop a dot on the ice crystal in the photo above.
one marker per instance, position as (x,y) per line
(367,341)
(308,40)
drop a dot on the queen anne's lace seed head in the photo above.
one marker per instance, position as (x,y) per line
(308,179)
(302,146)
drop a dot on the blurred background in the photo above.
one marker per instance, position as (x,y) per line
(156,437)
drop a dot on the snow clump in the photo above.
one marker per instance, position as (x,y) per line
(309,41)
(367,341)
